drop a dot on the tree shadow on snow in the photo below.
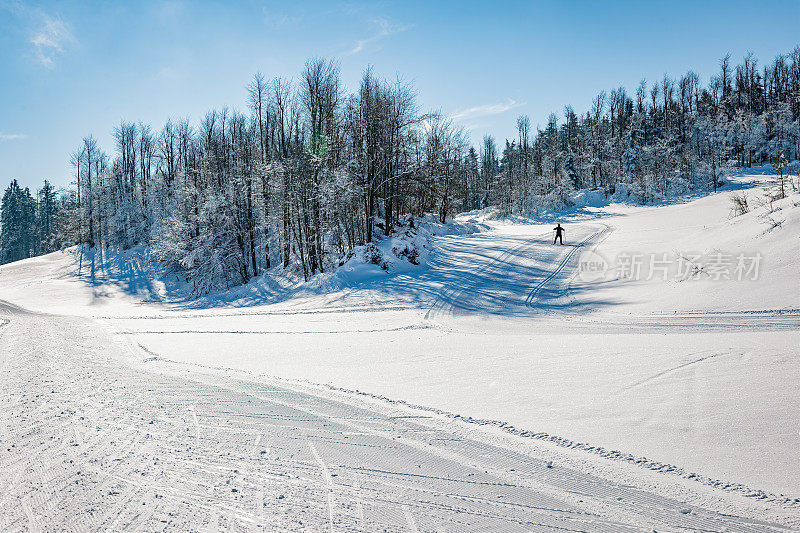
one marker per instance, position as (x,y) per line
(125,270)
(509,277)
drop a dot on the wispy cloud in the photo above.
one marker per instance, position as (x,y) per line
(487,109)
(50,39)
(385,29)
(12,136)
(275,19)
(16,7)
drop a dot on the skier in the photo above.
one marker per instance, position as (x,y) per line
(559,234)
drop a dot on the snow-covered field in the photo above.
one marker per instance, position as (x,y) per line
(670,333)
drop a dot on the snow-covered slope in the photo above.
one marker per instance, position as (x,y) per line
(715,261)
(96,437)
(673,365)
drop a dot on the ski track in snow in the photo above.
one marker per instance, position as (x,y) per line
(100,441)
(275,332)
(597,236)
(459,296)
(671,370)
(328,482)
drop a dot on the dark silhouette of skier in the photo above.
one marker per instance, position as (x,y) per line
(559,234)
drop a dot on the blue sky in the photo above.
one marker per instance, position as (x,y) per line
(68,69)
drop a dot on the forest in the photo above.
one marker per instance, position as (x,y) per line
(309,170)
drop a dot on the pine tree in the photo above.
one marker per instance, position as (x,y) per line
(569,168)
(632,162)
(46,219)
(778,181)
(17,224)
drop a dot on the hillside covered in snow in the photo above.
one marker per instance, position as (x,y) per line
(658,345)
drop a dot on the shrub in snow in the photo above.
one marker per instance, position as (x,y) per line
(373,256)
(408,252)
(739,204)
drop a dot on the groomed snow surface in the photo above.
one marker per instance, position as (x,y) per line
(644,376)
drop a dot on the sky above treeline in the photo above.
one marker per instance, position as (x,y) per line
(73,68)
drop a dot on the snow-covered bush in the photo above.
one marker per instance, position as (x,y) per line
(408,252)
(739,205)
(372,255)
